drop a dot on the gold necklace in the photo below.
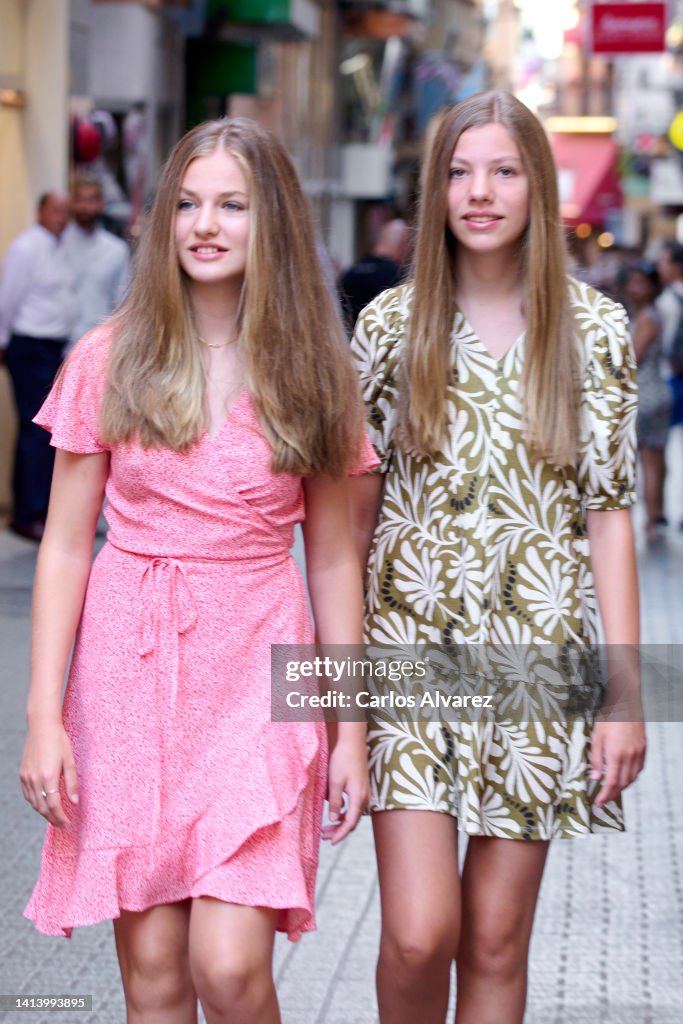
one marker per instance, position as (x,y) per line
(222,344)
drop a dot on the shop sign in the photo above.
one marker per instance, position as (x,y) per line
(628,28)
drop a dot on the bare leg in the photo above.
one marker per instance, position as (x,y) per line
(500,884)
(152,948)
(417,858)
(654,472)
(231,958)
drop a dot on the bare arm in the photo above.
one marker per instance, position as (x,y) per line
(61,579)
(335,587)
(618,750)
(645,331)
(366,500)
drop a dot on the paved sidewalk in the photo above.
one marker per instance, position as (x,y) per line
(608,943)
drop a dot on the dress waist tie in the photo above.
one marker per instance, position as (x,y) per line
(168,610)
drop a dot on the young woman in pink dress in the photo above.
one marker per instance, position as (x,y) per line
(215,412)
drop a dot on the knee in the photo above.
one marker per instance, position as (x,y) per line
(153,983)
(497,952)
(227,983)
(419,952)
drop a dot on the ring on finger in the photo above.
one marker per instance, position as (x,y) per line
(48,792)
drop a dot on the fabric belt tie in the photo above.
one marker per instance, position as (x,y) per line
(164,583)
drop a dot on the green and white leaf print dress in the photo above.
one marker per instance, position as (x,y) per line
(486,544)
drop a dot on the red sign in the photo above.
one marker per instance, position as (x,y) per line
(628,28)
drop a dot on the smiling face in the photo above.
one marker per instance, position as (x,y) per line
(488,191)
(212,221)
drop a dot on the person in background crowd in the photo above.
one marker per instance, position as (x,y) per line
(218,413)
(37,310)
(382,268)
(501,401)
(654,399)
(670,301)
(670,309)
(100,261)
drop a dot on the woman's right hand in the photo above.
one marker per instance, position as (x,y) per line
(48,757)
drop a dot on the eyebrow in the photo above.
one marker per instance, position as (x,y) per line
(223,195)
(505,158)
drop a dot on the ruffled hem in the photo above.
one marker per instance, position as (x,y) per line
(122,887)
(263,854)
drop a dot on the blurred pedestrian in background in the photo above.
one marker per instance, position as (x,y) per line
(654,398)
(381,268)
(670,301)
(501,401)
(37,311)
(219,408)
(100,261)
(670,308)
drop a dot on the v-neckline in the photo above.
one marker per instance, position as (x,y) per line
(228,416)
(466,326)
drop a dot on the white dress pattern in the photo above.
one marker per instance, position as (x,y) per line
(486,545)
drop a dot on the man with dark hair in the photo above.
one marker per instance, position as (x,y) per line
(100,261)
(382,268)
(37,307)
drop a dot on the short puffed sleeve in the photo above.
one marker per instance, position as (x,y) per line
(72,409)
(609,402)
(366,461)
(376,346)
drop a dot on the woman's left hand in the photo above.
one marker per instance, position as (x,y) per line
(347,775)
(617,756)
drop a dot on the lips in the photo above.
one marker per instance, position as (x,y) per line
(207,250)
(482,218)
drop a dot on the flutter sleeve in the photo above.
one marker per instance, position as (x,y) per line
(72,409)
(609,403)
(376,346)
(367,461)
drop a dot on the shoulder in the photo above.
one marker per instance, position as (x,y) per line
(584,299)
(601,324)
(91,352)
(113,243)
(25,243)
(386,317)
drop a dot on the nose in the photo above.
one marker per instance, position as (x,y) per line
(480,186)
(206,223)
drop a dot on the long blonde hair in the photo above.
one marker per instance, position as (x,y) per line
(297,365)
(551,365)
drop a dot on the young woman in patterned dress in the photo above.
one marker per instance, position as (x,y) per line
(218,413)
(501,401)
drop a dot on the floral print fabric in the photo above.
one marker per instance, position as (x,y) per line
(486,544)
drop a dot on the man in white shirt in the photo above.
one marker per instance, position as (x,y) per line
(37,309)
(100,261)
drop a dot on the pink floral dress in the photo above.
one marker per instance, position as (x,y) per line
(187,788)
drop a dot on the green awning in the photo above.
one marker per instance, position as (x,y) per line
(284,19)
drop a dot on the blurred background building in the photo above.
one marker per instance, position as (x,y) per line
(107,86)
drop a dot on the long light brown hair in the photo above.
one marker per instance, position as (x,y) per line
(298,368)
(551,366)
